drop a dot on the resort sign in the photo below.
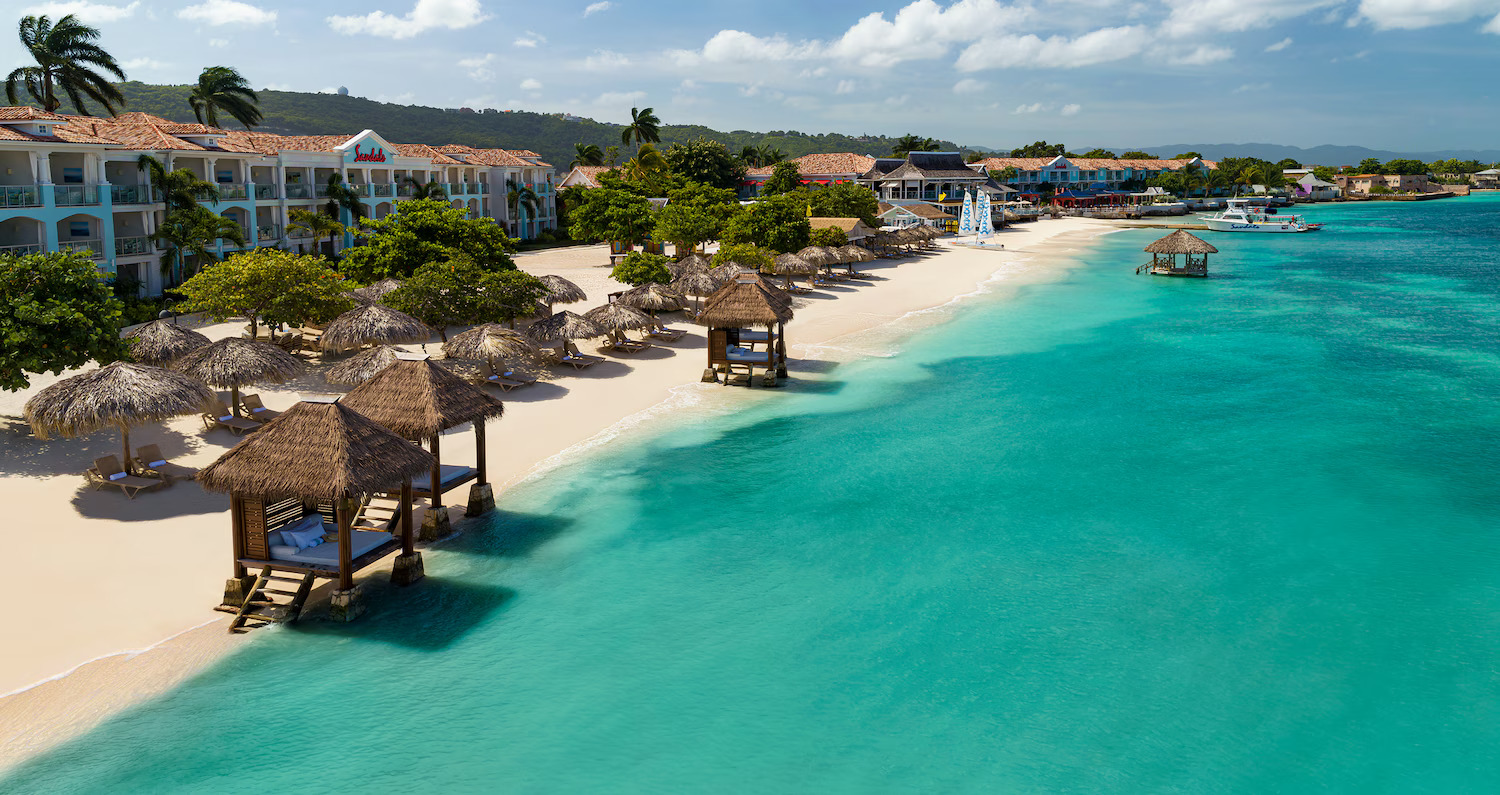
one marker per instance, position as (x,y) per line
(367,147)
(374,154)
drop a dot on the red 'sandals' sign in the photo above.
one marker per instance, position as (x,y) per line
(376,156)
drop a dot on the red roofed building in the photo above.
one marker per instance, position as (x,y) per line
(816,170)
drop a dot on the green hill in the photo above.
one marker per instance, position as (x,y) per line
(294,113)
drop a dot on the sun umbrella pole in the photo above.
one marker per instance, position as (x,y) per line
(125,444)
(234,400)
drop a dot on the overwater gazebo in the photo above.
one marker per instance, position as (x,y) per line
(733,314)
(310,472)
(1164,253)
(418,400)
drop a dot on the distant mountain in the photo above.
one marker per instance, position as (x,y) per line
(1326,155)
(551,135)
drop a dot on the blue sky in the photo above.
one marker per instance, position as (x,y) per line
(1394,74)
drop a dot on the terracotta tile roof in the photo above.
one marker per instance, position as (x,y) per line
(1087,163)
(485,157)
(533,158)
(839,163)
(423,150)
(27,114)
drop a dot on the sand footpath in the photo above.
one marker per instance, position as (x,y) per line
(109,600)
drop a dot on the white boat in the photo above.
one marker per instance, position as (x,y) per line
(1240,216)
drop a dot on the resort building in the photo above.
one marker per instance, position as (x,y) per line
(915,214)
(1400,183)
(1489,179)
(1309,188)
(941,177)
(816,170)
(853,228)
(583,177)
(74,183)
(1084,173)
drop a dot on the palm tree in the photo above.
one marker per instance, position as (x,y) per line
(611,155)
(179,191)
(1214,180)
(424,190)
(342,197)
(222,88)
(316,224)
(648,161)
(64,53)
(644,127)
(521,199)
(909,143)
(588,155)
(191,236)
(750,156)
(770,156)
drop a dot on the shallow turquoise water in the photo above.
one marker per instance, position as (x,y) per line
(1120,534)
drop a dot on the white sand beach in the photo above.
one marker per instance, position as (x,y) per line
(110,600)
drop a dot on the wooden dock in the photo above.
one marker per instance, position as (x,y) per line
(1144,224)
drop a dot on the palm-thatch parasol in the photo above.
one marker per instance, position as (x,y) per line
(233,362)
(822,256)
(616,318)
(560,291)
(652,297)
(376,291)
(321,451)
(489,342)
(746,301)
(852,253)
(696,284)
(692,263)
(161,341)
(562,327)
(725,273)
(372,323)
(121,394)
(789,265)
(363,366)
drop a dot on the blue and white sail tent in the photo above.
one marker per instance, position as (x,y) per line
(966,218)
(985,225)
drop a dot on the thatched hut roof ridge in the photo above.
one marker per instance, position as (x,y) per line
(317,450)
(416,398)
(615,316)
(491,341)
(653,297)
(362,367)
(746,301)
(561,291)
(1181,242)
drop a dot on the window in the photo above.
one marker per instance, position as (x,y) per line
(78,229)
(72,176)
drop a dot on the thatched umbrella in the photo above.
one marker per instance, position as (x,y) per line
(560,291)
(233,362)
(372,323)
(725,273)
(121,394)
(161,341)
(489,342)
(821,256)
(563,327)
(696,284)
(617,318)
(853,253)
(376,291)
(1181,242)
(789,265)
(363,366)
(692,263)
(652,297)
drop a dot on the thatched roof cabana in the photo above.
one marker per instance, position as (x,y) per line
(232,363)
(696,283)
(376,291)
(725,273)
(372,323)
(1181,242)
(419,400)
(615,317)
(562,327)
(1164,253)
(652,297)
(315,453)
(161,341)
(560,291)
(732,312)
(692,263)
(489,342)
(363,366)
(120,395)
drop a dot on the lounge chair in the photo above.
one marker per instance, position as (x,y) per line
(624,344)
(256,410)
(107,472)
(669,334)
(220,417)
(290,341)
(148,458)
(579,361)
(507,380)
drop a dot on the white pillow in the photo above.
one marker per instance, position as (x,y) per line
(117,475)
(304,538)
(282,551)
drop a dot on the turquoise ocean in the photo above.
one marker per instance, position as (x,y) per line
(1114,533)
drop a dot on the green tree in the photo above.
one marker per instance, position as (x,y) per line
(640,268)
(460,292)
(647,164)
(192,237)
(58,314)
(587,155)
(1371,165)
(609,214)
(316,224)
(748,255)
(343,199)
(1405,166)
(750,157)
(180,191)
(786,178)
(705,161)
(1004,175)
(422,231)
(828,236)
(267,285)
(611,155)
(1101,153)
(1324,173)
(1288,162)
(695,213)
(845,200)
(1186,156)
(1040,149)
(770,156)
(909,143)
(644,127)
(222,88)
(521,199)
(778,223)
(66,62)
(432,189)
(1137,155)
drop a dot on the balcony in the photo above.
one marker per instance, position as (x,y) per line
(22,249)
(20,196)
(130,194)
(94,249)
(132,246)
(266,192)
(75,195)
(265,232)
(298,232)
(233,191)
(383,189)
(405,191)
(298,191)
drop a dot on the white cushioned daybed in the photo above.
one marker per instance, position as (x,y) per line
(301,542)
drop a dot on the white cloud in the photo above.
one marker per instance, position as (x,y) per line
(227,12)
(688,84)
(845,87)
(1408,15)
(479,68)
(1359,56)
(1280,45)
(969,85)
(594,8)
(1196,17)
(142,63)
(86,11)
(218,42)
(531,84)
(605,61)
(1202,54)
(1059,52)
(530,39)
(739,47)
(425,15)
(1071,109)
(923,29)
(1035,107)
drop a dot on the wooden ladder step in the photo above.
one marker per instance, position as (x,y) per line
(280,593)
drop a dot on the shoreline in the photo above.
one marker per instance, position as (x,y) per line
(546,426)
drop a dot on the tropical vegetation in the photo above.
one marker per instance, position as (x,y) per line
(57,314)
(267,285)
(221,88)
(68,62)
(461,292)
(422,231)
(640,267)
